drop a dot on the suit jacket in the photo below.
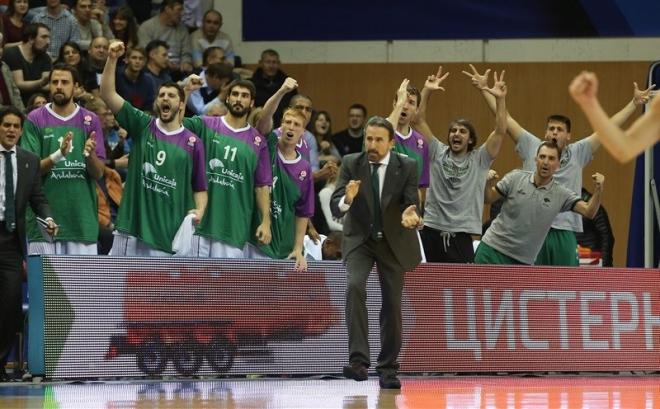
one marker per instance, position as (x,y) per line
(28,190)
(399,191)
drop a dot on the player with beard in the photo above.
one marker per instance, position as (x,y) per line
(166,177)
(459,171)
(531,202)
(292,194)
(239,176)
(69,141)
(560,247)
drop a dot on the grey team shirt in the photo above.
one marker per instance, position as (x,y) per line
(574,158)
(455,199)
(527,213)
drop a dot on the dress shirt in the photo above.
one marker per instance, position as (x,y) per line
(381,181)
(2,177)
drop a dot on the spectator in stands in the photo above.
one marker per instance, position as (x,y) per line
(321,128)
(63,130)
(71,54)
(100,15)
(333,223)
(124,26)
(13,22)
(210,35)
(166,26)
(623,145)
(89,28)
(531,202)
(193,10)
(158,63)
(37,100)
(116,143)
(9,92)
(62,24)
(213,55)
(268,79)
(98,54)
(109,190)
(597,233)
(560,241)
(109,187)
(29,62)
(133,83)
(215,77)
(351,139)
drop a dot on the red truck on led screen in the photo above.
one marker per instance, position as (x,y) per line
(191,316)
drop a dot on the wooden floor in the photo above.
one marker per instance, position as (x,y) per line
(607,392)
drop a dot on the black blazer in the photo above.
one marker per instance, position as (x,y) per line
(399,191)
(28,190)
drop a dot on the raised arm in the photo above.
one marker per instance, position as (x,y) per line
(480,82)
(432,84)
(499,91)
(589,209)
(640,97)
(108,90)
(401,97)
(624,146)
(265,123)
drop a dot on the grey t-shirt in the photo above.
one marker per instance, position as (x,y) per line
(527,213)
(455,198)
(574,158)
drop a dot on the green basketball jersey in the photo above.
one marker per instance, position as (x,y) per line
(70,191)
(164,170)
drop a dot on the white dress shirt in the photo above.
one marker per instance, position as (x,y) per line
(381,181)
(2,177)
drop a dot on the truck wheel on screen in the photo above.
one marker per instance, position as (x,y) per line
(188,357)
(221,354)
(151,357)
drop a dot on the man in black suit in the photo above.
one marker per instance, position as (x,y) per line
(20,183)
(377,192)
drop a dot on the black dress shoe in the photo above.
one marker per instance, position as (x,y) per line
(389,381)
(356,371)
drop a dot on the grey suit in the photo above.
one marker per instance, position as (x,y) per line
(395,254)
(13,246)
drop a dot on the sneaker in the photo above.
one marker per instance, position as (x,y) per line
(356,371)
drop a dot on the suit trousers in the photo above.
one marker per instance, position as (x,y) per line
(11,282)
(359,263)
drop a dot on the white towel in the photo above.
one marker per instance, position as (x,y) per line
(182,243)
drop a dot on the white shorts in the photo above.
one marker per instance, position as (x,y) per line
(126,245)
(63,248)
(206,247)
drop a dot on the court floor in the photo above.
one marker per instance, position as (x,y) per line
(465,392)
